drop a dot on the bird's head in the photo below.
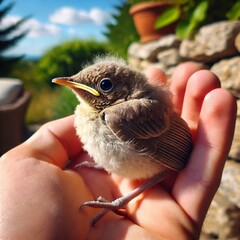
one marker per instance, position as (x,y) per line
(105,83)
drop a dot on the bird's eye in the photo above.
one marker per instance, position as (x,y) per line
(106,84)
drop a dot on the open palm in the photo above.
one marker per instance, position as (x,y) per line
(32,174)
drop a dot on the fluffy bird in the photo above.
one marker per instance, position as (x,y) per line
(127,125)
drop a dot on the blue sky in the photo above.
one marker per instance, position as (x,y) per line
(53,22)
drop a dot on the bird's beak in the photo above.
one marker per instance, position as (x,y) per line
(67,81)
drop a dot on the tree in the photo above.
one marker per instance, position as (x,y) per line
(8,39)
(121,32)
(68,58)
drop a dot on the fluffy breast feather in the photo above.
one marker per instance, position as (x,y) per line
(108,151)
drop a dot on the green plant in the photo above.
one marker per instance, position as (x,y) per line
(64,104)
(122,25)
(194,13)
(133,2)
(191,14)
(68,58)
(65,59)
(19,71)
(8,39)
(48,104)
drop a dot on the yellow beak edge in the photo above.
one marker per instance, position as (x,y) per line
(65,81)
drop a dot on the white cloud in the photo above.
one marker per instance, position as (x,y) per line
(34,27)
(70,16)
(98,16)
(72,31)
(9,20)
(37,29)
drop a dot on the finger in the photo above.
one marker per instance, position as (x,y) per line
(158,213)
(179,82)
(118,228)
(198,85)
(198,182)
(55,142)
(155,76)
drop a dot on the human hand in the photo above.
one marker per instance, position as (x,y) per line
(40,198)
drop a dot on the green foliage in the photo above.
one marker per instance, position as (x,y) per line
(26,70)
(234,12)
(65,59)
(8,39)
(68,58)
(50,103)
(121,32)
(133,2)
(218,10)
(64,104)
(187,27)
(191,14)
(169,16)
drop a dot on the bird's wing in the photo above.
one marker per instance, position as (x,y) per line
(151,129)
(137,119)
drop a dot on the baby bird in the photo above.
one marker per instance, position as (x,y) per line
(127,126)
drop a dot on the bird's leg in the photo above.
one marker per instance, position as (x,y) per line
(118,203)
(88,164)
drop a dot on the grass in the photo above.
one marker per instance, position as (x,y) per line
(50,103)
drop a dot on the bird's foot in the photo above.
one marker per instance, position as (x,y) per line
(88,164)
(118,204)
(103,203)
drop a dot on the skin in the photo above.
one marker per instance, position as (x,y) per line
(40,200)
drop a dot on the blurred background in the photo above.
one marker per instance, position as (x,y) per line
(42,39)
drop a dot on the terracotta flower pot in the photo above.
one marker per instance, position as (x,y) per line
(144,17)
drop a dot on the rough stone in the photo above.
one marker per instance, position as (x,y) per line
(215,48)
(169,72)
(228,70)
(134,62)
(238,108)
(133,50)
(212,42)
(205,236)
(145,64)
(237,42)
(235,149)
(223,217)
(148,51)
(230,182)
(169,57)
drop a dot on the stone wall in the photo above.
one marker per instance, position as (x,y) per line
(217,48)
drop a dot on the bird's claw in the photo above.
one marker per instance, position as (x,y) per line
(88,164)
(118,204)
(103,203)
(115,206)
